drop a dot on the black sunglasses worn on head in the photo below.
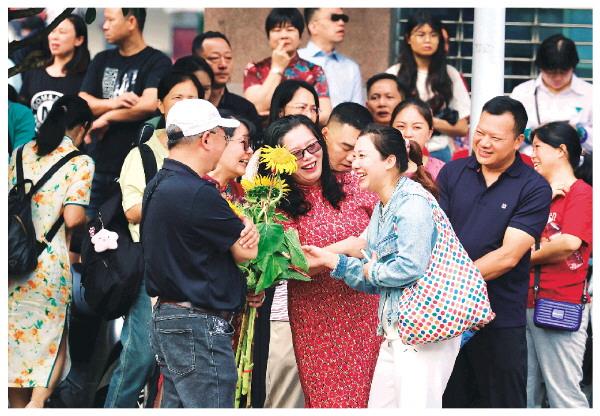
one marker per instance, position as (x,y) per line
(339,16)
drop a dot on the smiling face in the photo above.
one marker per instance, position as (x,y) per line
(310,165)
(286,34)
(495,142)
(237,154)
(371,168)
(63,39)
(413,125)
(547,158)
(382,99)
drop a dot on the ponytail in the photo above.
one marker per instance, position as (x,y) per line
(585,169)
(67,112)
(422,176)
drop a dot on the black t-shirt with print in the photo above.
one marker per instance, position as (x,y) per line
(109,75)
(40,90)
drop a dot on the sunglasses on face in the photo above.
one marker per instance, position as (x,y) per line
(312,148)
(339,16)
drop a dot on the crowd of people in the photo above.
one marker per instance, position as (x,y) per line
(380,187)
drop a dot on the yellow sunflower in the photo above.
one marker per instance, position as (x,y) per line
(236,209)
(258,188)
(278,159)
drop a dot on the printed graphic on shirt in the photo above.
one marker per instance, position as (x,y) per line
(41,103)
(111,87)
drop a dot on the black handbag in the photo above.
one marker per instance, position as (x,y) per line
(555,314)
(23,246)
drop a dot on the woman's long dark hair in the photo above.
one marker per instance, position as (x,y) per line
(284,93)
(67,112)
(81,56)
(561,132)
(296,204)
(389,141)
(437,76)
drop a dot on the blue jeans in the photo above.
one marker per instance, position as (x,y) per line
(136,359)
(195,357)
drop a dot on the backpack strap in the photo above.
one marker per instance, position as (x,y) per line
(50,171)
(20,176)
(148,161)
(41,245)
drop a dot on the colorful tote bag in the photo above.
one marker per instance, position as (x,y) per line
(450,298)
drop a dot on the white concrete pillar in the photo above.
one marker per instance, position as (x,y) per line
(487,79)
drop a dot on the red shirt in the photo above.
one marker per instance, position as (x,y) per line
(298,68)
(573,214)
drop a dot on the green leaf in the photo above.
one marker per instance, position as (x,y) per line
(90,15)
(294,249)
(280,217)
(271,272)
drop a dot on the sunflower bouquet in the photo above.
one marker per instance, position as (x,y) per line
(279,254)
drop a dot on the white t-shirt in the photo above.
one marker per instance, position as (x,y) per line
(461,101)
(573,104)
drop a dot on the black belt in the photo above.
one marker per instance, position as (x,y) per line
(227,315)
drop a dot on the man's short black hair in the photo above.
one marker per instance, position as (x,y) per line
(557,52)
(501,105)
(351,113)
(199,40)
(378,77)
(309,13)
(281,16)
(138,13)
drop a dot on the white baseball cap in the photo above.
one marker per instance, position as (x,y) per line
(195,116)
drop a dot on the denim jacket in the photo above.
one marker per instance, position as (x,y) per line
(403,237)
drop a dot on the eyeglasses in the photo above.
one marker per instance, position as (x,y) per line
(245,142)
(339,16)
(225,135)
(301,108)
(312,148)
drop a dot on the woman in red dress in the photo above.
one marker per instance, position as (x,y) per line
(333,326)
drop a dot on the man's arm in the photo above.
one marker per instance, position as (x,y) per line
(100,106)
(498,262)
(144,107)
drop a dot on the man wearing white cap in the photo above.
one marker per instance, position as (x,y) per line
(192,241)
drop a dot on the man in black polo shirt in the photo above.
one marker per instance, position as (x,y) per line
(215,48)
(498,207)
(192,241)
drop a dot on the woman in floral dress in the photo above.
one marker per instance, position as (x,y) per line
(38,302)
(333,326)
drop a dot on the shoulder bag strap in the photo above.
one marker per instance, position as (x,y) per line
(148,161)
(41,245)
(536,274)
(145,206)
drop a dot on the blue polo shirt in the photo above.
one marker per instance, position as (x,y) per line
(520,198)
(187,232)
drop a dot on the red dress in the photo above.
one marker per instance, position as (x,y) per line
(334,326)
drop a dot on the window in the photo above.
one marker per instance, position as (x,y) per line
(525,30)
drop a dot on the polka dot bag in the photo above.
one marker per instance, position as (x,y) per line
(450,298)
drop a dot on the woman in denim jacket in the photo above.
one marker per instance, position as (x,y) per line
(400,238)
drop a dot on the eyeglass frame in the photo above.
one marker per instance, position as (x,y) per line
(306,149)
